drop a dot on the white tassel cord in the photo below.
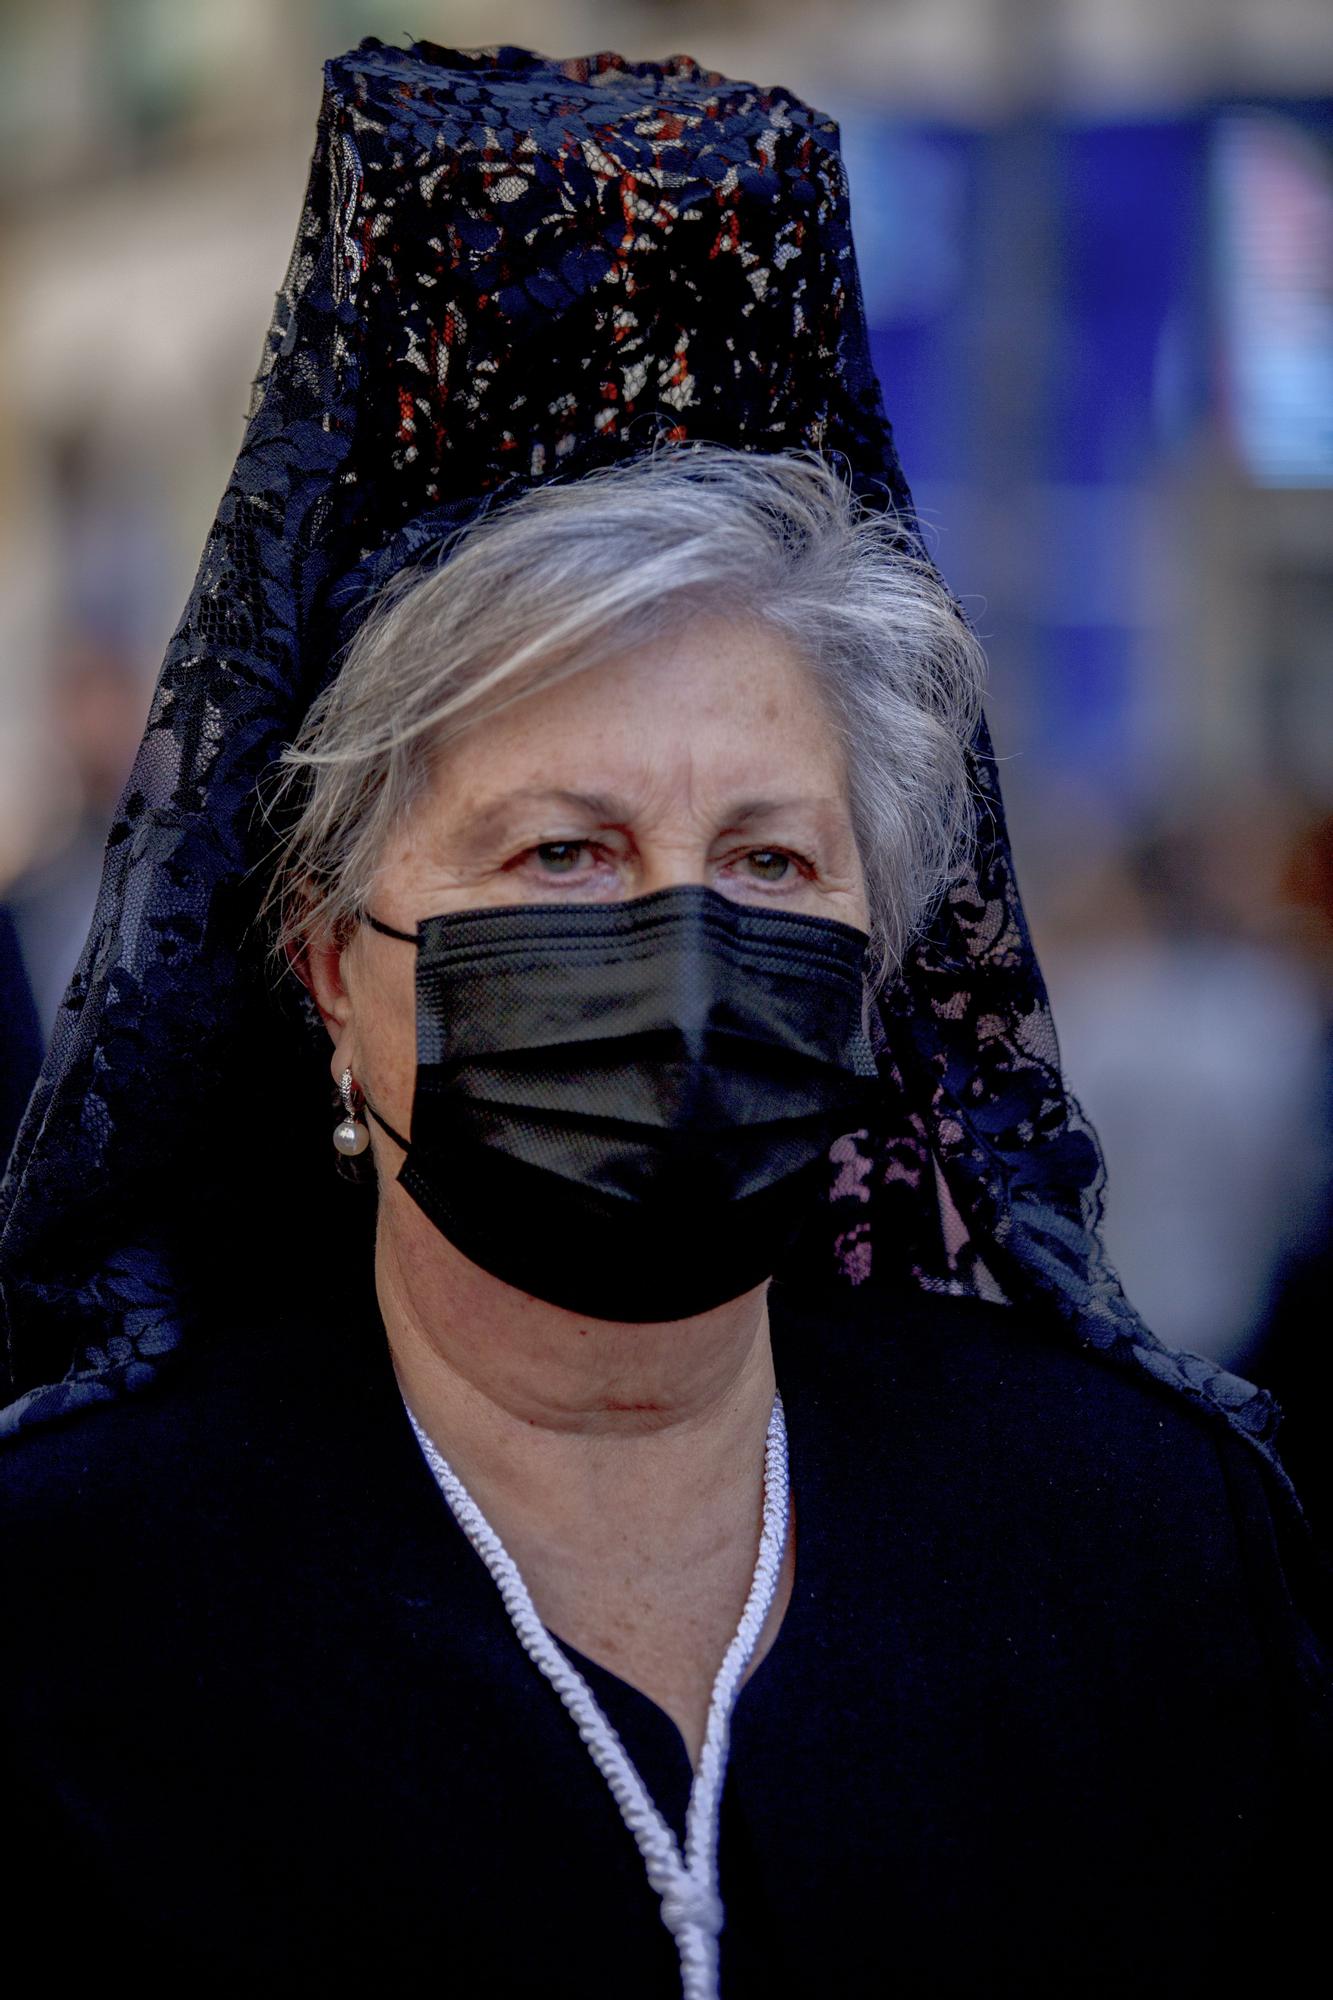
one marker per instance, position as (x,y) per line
(687,1885)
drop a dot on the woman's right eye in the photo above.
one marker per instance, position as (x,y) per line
(559,857)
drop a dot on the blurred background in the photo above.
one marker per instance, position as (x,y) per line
(1096,239)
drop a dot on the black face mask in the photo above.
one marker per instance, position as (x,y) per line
(626,1108)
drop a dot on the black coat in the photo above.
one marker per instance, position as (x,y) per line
(1041,1719)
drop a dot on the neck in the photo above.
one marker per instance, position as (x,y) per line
(621,1465)
(551,1409)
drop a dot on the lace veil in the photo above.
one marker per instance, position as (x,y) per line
(505,269)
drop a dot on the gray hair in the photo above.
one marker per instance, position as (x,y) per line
(572,572)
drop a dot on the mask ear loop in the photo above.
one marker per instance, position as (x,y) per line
(403,937)
(387,930)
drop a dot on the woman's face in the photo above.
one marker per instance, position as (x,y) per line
(706,758)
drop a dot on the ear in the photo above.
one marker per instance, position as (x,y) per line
(319,967)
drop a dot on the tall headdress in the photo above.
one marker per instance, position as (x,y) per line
(506,270)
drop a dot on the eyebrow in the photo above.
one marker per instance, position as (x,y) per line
(751,809)
(492,818)
(608,810)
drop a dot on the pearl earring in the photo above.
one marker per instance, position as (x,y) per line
(350,1137)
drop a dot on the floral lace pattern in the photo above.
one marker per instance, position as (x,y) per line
(506,269)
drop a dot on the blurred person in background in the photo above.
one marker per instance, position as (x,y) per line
(1194,1038)
(96,704)
(95,700)
(22,1033)
(1292,1353)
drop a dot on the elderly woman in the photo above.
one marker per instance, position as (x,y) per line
(655,1532)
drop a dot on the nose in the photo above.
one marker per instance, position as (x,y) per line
(673,864)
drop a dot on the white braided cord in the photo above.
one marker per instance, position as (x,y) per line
(687,1886)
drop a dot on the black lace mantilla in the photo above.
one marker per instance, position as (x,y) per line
(505,269)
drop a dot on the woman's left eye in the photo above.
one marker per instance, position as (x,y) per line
(559,857)
(768,864)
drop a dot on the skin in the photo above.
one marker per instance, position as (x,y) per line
(621,1464)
